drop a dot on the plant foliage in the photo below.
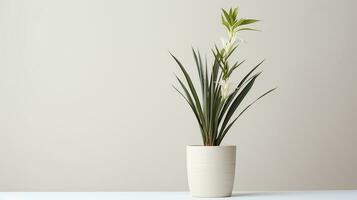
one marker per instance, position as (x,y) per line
(215,102)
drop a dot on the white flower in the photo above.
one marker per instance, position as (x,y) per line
(226,88)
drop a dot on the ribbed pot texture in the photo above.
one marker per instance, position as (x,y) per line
(210,170)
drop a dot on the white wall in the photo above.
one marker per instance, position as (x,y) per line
(86,102)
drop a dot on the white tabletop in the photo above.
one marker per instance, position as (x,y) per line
(296,195)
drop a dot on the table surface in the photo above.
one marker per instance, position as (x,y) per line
(293,195)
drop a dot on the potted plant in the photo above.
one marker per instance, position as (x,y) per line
(211,167)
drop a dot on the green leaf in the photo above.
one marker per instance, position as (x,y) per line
(192,89)
(231,97)
(246,108)
(199,68)
(242,22)
(234,14)
(235,67)
(231,52)
(247,29)
(192,106)
(251,71)
(225,23)
(236,103)
(227,17)
(207,89)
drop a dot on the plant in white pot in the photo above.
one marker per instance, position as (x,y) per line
(211,167)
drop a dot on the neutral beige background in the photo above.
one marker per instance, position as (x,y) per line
(86,102)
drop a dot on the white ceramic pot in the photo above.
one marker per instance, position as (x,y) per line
(210,170)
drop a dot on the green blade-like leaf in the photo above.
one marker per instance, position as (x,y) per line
(234,14)
(188,96)
(242,22)
(199,68)
(224,22)
(200,118)
(192,89)
(232,108)
(246,108)
(206,96)
(261,96)
(227,17)
(231,52)
(192,106)
(247,29)
(250,72)
(231,97)
(215,68)
(235,67)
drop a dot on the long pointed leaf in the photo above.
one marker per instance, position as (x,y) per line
(248,29)
(235,104)
(235,67)
(242,22)
(192,89)
(192,106)
(199,68)
(246,108)
(230,98)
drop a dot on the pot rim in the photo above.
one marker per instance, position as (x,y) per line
(220,146)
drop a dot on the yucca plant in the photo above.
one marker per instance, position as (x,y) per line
(219,97)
